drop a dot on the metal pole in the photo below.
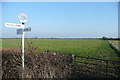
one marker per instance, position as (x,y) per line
(23,49)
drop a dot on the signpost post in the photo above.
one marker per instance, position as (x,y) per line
(23,47)
(22,18)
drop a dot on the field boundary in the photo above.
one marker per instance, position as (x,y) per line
(115,48)
(112,43)
(94,67)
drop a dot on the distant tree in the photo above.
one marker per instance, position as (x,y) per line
(36,37)
(104,38)
(111,38)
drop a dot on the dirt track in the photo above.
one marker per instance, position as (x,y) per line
(115,44)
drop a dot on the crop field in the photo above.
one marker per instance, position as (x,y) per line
(83,47)
(116,40)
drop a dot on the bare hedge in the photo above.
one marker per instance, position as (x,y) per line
(37,65)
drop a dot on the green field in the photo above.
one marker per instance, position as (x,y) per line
(84,47)
(116,40)
(0,43)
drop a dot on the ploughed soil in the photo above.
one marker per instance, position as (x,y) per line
(37,65)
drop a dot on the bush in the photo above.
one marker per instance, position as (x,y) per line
(37,65)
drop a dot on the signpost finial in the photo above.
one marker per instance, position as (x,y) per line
(22,18)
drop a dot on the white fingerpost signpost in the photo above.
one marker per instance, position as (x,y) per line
(23,33)
(22,18)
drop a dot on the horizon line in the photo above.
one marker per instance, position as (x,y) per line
(58,38)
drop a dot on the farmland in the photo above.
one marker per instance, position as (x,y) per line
(116,41)
(83,47)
